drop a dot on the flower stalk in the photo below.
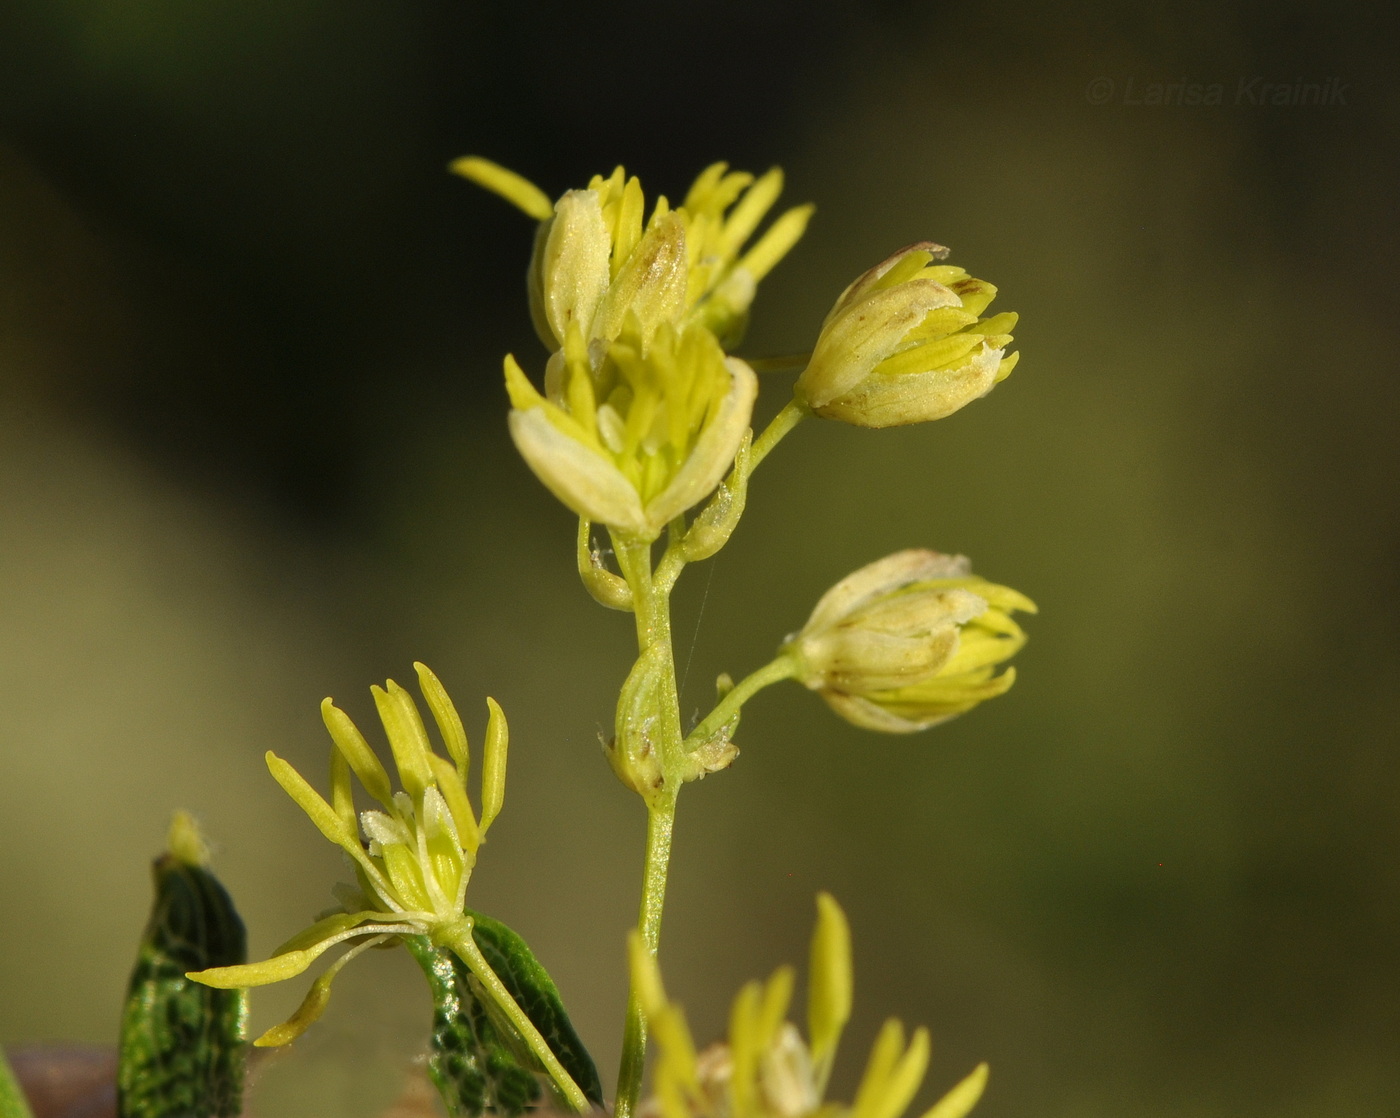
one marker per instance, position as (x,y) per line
(457,938)
(642,424)
(727,710)
(793,413)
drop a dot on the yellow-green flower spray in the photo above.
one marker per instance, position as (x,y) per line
(639,419)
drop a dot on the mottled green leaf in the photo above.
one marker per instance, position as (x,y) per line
(478,1061)
(532,988)
(473,1069)
(182,1049)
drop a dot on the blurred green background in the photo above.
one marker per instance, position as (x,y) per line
(252,453)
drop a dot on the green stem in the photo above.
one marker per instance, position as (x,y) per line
(651,600)
(672,559)
(457,938)
(669,569)
(660,823)
(728,707)
(793,413)
(653,617)
(12,1100)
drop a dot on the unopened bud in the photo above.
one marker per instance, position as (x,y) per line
(904,344)
(909,641)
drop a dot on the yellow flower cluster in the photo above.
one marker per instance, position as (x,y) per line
(765,1069)
(643,414)
(636,300)
(596,261)
(419,850)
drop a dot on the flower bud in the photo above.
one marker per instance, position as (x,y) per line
(909,641)
(904,344)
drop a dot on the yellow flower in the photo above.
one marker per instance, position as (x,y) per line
(412,870)
(765,1069)
(596,261)
(904,344)
(642,437)
(909,641)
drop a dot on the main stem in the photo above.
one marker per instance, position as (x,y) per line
(660,822)
(653,613)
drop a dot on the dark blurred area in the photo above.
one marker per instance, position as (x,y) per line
(252,452)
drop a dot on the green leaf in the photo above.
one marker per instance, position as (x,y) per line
(478,1061)
(12,1101)
(182,1045)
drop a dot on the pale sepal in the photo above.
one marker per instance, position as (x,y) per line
(884,576)
(574,270)
(896,400)
(581,477)
(409,888)
(870,330)
(651,284)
